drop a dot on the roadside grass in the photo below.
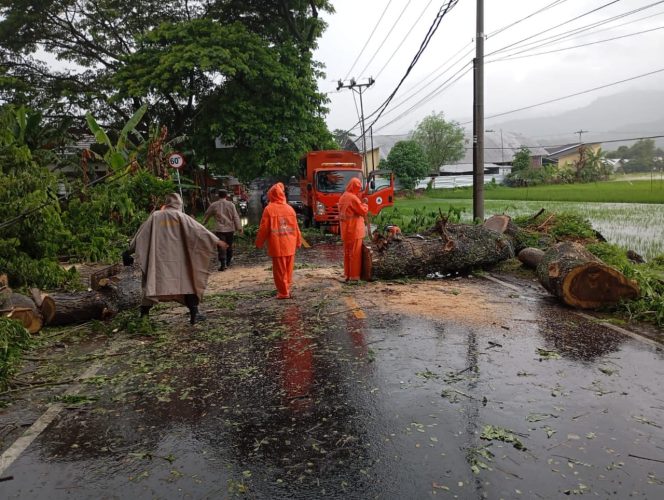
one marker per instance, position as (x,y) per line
(638,191)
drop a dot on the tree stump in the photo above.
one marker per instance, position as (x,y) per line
(581,280)
(22,309)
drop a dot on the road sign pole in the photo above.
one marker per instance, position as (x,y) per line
(177,176)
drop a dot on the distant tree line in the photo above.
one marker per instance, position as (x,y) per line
(642,156)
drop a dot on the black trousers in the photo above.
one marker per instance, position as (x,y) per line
(225,255)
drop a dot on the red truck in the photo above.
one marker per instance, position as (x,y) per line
(323,179)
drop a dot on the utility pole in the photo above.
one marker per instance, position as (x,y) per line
(357,87)
(581,132)
(478,117)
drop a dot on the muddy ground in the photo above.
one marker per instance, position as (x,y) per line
(472,387)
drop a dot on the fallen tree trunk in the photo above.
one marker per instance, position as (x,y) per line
(22,309)
(114,293)
(457,248)
(578,278)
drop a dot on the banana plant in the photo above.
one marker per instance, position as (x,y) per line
(118,156)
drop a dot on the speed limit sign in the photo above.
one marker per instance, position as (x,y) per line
(176,160)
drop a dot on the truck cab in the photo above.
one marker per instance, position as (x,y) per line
(323,179)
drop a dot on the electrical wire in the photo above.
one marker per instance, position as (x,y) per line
(585,30)
(554,27)
(400,44)
(570,95)
(368,39)
(512,58)
(543,9)
(444,9)
(386,37)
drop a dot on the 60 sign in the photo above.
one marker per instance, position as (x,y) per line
(176,160)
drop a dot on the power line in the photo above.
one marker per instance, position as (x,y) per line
(511,58)
(598,141)
(543,42)
(439,90)
(404,38)
(554,27)
(444,9)
(386,37)
(572,95)
(368,39)
(546,7)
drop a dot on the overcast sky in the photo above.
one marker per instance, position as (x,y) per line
(508,84)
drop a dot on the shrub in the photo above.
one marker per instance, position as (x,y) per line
(14,339)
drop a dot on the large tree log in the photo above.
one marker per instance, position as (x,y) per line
(457,248)
(580,279)
(21,308)
(115,293)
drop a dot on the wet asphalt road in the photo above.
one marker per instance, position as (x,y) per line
(331,396)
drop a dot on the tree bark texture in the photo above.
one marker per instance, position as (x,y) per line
(22,309)
(580,279)
(115,293)
(456,248)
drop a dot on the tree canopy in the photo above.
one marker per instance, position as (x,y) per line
(242,70)
(441,141)
(406,159)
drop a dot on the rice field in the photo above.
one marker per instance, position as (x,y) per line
(635,226)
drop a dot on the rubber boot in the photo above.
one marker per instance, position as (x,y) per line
(195,316)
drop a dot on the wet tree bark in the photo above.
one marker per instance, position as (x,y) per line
(578,278)
(448,248)
(115,293)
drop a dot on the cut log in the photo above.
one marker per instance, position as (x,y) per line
(23,309)
(580,279)
(503,224)
(120,292)
(531,257)
(457,248)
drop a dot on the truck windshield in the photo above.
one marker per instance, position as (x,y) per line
(334,181)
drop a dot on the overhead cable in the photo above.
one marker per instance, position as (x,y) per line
(570,95)
(368,39)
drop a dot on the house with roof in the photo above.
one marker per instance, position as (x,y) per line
(569,155)
(500,147)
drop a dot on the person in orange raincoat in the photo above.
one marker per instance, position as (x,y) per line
(351,214)
(280,230)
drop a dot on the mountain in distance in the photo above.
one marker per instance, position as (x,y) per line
(625,115)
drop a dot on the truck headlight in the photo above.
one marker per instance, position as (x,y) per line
(320,208)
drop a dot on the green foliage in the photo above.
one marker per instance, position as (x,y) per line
(521,160)
(567,225)
(650,277)
(642,156)
(420,220)
(406,159)
(14,339)
(441,141)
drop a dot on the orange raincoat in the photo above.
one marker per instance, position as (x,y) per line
(351,214)
(280,230)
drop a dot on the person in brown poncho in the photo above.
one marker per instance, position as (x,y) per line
(174,252)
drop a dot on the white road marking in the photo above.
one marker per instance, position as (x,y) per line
(21,444)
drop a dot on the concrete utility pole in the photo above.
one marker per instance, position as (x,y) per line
(581,132)
(357,87)
(478,117)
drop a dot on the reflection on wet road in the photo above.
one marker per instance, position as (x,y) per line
(285,399)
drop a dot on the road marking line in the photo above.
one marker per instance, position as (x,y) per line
(610,326)
(357,310)
(21,444)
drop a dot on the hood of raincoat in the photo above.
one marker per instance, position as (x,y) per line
(354,186)
(173,200)
(276,193)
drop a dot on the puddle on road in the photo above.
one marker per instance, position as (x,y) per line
(276,399)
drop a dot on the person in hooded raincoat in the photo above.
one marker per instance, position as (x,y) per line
(174,252)
(280,231)
(352,213)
